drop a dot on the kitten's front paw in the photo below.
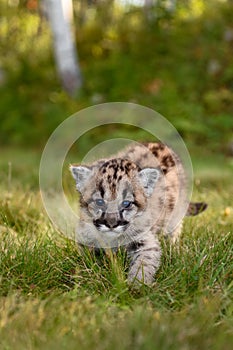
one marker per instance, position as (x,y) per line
(140,277)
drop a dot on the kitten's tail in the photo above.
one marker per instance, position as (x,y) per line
(196,208)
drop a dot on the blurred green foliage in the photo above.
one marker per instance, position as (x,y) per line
(176,62)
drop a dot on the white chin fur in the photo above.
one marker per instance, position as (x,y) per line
(103,228)
(118,229)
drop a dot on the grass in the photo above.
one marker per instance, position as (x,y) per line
(54,297)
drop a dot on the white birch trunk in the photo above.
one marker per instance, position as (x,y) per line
(148,5)
(171,6)
(60,14)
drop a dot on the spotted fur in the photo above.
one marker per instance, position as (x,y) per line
(129,199)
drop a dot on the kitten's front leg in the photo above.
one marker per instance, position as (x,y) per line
(144,259)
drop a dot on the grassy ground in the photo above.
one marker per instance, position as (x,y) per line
(52,297)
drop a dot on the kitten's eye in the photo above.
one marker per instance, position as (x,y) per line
(126,204)
(100,202)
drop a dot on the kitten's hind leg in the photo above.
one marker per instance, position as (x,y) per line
(175,234)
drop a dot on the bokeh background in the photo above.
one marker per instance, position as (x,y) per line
(173,56)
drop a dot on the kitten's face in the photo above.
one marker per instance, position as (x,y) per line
(114,212)
(114,194)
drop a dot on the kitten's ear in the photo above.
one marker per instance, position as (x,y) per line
(81,174)
(148,178)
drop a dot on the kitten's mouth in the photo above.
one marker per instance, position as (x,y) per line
(105,227)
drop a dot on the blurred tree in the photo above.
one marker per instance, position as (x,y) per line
(155,9)
(171,5)
(60,14)
(148,6)
(149,3)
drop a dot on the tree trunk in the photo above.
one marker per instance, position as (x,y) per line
(60,14)
(171,6)
(148,6)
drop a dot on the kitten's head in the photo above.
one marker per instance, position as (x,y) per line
(114,193)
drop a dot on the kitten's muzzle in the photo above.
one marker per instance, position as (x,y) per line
(111,222)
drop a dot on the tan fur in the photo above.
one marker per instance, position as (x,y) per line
(151,178)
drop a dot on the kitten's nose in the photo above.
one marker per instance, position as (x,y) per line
(112,220)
